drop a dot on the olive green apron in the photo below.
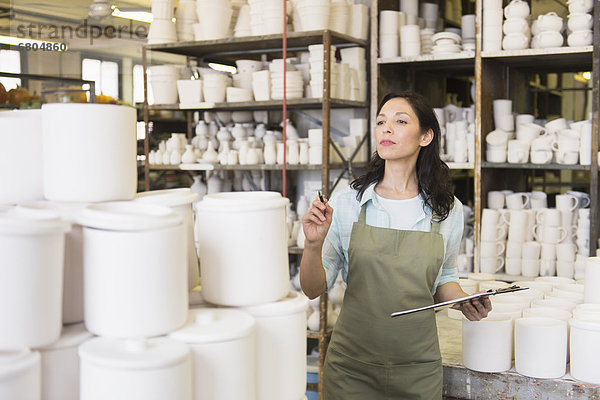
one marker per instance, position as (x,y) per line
(372,356)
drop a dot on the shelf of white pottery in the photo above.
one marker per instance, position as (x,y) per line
(258,167)
(303,103)
(575,167)
(232,48)
(552,59)
(465,58)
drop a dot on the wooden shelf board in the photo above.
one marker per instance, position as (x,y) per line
(464,59)
(229,47)
(556,59)
(576,167)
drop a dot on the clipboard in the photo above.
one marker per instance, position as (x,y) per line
(490,292)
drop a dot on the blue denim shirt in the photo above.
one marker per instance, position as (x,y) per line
(346,209)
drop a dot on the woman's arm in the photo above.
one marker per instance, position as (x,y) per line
(474,309)
(315,224)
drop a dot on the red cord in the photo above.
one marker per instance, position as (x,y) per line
(284,94)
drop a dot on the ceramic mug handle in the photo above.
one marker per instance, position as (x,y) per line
(563,234)
(500,247)
(499,263)
(536,232)
(575,203)
(500,232)
(586,202)
(526,202)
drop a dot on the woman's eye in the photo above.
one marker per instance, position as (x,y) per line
(401,121)
(380,122)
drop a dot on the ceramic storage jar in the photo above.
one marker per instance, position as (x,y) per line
(89,152)
(60,364)
(223,353)
(487,344)
(242,238)
(21,156)
(32,247)
(281,347)
(135,269)
(180,201)
(541,347)
(153,369)
(585,350)
(20,375)
(72,304)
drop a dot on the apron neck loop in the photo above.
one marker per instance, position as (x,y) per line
(362,218)
(435,224)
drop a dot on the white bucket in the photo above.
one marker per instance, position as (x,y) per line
(487,344)
(135,269)
(32,247)
(180,201)
(154,369)
(242,239)
(541,347)
(72,303)
(592,281)
(281,348)
(585,350)
(20,375)
(89,152)
(223,352)
(60,364)
(21,171)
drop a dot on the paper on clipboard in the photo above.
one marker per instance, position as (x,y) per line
(490,292)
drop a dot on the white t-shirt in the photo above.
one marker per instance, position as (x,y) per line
(403,213)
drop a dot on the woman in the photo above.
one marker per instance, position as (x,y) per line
(394,234)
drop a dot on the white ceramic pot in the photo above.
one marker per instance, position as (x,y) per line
(20,375)
(554,302)
(547,312)
(180,201)
(585,350)
(545,287)
(223,351)
(242,238)
(587,312)
(592,281)
(21,156)
(281,348)
(487,344)
(60,364)
(541,347)
(32,247)
(155,369)
(554,280)
(72,303)
(513,310)
(135,269)
(89,152)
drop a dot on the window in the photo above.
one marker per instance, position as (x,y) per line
(138,85)
(104,73)
(10,61)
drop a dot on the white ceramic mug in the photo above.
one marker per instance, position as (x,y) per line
(530,267)
(567,202)
(541,157)
(517,201)
(547,267)
(566,251)
(531,251)
(556,125)
(517,225)
(514,249)
(491,265)
(583,198)
(538,200)
(565,268)
(513,266)
(549,234)
(549,217)
(495,200)
(548,251)
(492,249)
(529,131)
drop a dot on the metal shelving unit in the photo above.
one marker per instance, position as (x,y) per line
(227,51)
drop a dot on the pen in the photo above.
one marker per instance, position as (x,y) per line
(322,201)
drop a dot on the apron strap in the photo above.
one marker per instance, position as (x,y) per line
(435,224)
(362,218)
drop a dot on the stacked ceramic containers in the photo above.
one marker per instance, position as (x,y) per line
(316,61)
(410,40)
(355,57)
(214,19)
(388,34)
(492,25)
(429,13)
(516,26)
(547,31)
(468,31)
(215,87)
(162,27)
(190,92)
(457,126)
(339,17)
(185,19)
(446,43)
(313,14)
(580,23)
(294,81)
(163,79)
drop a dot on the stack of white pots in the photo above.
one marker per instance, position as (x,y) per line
(215,87)
(294,82)
(410,40)
(429,12)
(458,133)
(243,25)
(313,15)
(410,8)
(516,26)
(359,28)
(580,23)
(162,27)
(272,16)
(547,31)
(446,43)
(317,66)
(492,25)
(339,17)
(248,268)
(185,19)
(190,92)
(163,79)
(355,57)
(388,34)
(315,146)
(426,42)
(214,19)
(468,31)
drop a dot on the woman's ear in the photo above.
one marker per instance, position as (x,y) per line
(426,138)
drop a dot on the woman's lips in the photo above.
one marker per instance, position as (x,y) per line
(386,143)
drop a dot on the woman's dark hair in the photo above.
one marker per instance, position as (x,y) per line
(432,173)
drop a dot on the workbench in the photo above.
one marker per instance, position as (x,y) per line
(462,383)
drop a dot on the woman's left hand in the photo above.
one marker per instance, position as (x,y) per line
(475,309)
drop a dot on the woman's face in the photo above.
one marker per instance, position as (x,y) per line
(398,133)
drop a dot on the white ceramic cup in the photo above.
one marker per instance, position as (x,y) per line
(566,251)
(505,122)
(518,151)
(549,217)
(541,157)
(518,225)
(556,125)
(531,250)
(524,119)
(549,234)
(584,198)
(502,107)
(517,201)
(512,266)
(514,249)
(538,200)
(491,265)
(548,251)
(495,200)
(567,202)
(547,267)
(492,249)
(530,267)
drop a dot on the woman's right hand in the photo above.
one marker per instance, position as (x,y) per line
(317,221)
